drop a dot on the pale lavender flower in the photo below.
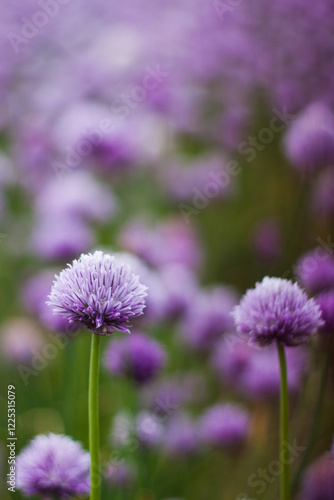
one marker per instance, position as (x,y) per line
(208,317)
(20,339)
(224,426)
(34,294)
(121,475)
(138,357)
(172,242)
(149,429)
(65,198)
(53,466)
(315,271)
(60,238)
(181,437)
(277,310)
(99,292)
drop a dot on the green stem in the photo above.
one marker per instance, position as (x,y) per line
(93,413)
(316,419)
(284,426)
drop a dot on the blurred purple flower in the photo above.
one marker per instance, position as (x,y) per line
(318,481)
(99,292)
(326,303)
(315,271)
(19,340)
(120,475)
(277,310)
(267,239)
(53,466)
(181,437)
(66,199)
(309,141)
(173,242)
(60,238)
(138,357)
(149,429)
(208,317)
(255,373)
(34,295)
(224,426)
(322,195)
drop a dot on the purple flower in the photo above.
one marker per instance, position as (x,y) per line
(53,466)
(66,198)
(181,437)
(315,271)
(277,310)
(254,372)
(121,475)
(309,142)
(149,429)
(318,482)
(99,292)
(326,303)
(208,317)
(322,195)
(19,340)
(173,242)
(60,238)
(224,426)
(34,295)
(138,357)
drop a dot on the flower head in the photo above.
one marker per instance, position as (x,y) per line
(315,271)
(224,425)
(277,310)
(100,292)
(138,357)
(53,465)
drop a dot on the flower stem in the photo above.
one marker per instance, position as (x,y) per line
(93,414)
(316,418)
(284,426)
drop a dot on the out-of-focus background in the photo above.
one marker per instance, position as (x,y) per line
(196,140)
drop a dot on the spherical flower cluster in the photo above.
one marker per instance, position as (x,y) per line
(315,271)
(224,426)
(53,466)
(309,142)
(326,303)
(138,357)
(99,292)
(277,310)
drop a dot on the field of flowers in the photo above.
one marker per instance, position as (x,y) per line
(167,200)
